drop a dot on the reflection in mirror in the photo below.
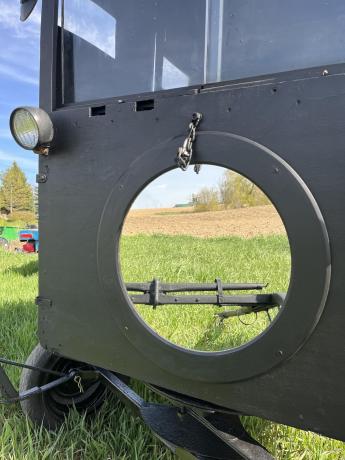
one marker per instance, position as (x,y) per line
(205,259)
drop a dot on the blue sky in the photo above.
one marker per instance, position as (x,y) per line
(177,187)
(19,69)
(19,82)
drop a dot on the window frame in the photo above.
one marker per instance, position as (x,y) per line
(51,78)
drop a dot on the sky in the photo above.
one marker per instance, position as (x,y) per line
(19,84)
(19,70)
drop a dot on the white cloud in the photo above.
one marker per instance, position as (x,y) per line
(27,163)
(18,75)
(5,133)
(92,23)
(160,186)
(19,54)
(20,43)
(9,18)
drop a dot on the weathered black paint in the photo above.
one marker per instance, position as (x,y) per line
(286,132)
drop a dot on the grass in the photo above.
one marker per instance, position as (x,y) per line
(184,258)
(114,434)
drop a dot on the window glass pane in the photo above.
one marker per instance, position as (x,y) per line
(91,23)
(114,48)
(266,36)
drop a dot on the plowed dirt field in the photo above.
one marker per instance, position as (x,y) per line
(245,222)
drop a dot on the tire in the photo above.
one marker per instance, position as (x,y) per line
(51,408)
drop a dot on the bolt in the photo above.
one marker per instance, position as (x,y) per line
(181,411)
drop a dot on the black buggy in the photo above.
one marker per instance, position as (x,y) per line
(151,95)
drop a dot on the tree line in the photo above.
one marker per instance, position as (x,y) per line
(18,199)
(233,191)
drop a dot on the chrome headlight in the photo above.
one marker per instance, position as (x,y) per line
(31,128)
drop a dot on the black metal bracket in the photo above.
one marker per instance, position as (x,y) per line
(191,429)
(220,291)
(156,294)
(41,178)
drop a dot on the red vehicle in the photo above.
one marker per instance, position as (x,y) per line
(30,239)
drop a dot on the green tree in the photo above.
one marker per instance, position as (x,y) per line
(15,191)
(237,192)
(205,200)
(35,197)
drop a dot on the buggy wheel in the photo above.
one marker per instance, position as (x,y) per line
(51,407)
(4,243)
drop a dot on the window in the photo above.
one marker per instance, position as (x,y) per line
(115,48)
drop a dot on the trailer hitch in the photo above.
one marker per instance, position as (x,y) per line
(156,293)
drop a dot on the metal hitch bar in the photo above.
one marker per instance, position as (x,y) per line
(156,294)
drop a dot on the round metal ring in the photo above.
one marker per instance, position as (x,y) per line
(310,254)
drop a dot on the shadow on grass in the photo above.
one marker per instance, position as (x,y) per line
(212,333)
(29,269)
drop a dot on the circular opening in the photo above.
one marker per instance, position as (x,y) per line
(205,259)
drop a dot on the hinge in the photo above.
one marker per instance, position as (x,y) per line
(41,178)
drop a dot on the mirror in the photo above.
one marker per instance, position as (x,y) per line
(26,8)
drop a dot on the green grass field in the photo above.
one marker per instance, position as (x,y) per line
(188,259)
(114,434)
